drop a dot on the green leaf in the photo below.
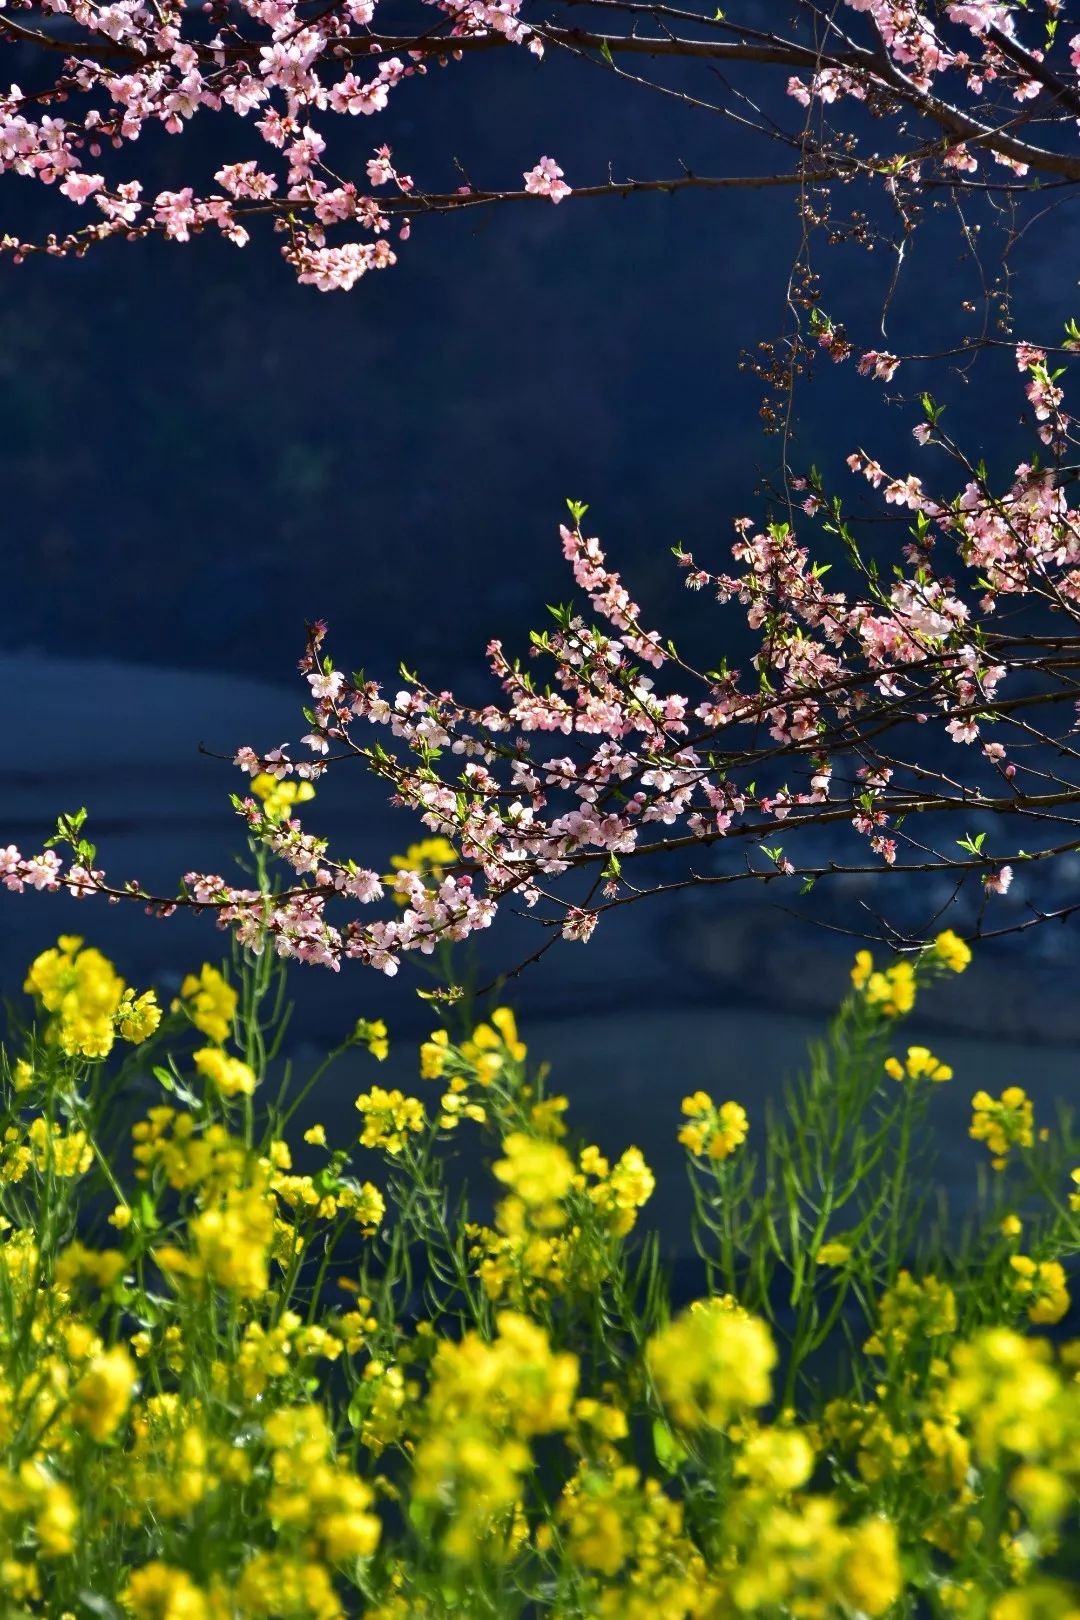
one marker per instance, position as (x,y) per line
(68,828)
(670,1452)
(96,1604)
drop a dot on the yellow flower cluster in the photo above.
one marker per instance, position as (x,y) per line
(229,1410)
(616,1190)
(280,796)
(1023,1412)
(429,857)
(891,991)
(100,1399)
(492,1053)
(373,1033)
(1003,1122)
(230,1246)
(390,1118)
(313,1493)
(171,1145)
(328,1195)
(229,1076)
(88,1001)
(801,1560)
(711,1363)
(210,1002)
(137,1017)
(540,1173)
(920,1064)
(912,1311)
(953,953)
(553,1232)
(1041,1285)
(487,1401)
(380,1406)
(713,1132)
(32,1496)
(493,1047)
(56,1153)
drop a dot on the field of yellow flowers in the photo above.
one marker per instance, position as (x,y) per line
(250,1371)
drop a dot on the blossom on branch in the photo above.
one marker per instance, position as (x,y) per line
(546,180)
(572,794)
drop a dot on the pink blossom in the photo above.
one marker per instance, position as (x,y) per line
(78,186)
(579,925)
(880,363)
(546,180)
(174,211)
(1028,355)
(246,180)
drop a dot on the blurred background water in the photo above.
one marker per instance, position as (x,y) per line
(196,455)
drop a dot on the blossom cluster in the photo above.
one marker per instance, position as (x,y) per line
(277,74)
(130,67)
(986,53)
(565,790)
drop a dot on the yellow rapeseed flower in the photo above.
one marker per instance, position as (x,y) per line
(713,1132)
(101,1267)
(1041,1285)
(390,1118)
(210,1001)
(434,1054)
(920,1064)
(952,951)
(229,1076)
(1003,1122)
(22,1075)
(871,1577)
(138,1018)
(429,858)
(622,1190)
(232,1242)
(100,1399)
(833,1254)
(779,1459)
(912,1310)
(892,992)
(280,796)
(273,1584)
(160,1592)
(57,1153)
(83,991)
(372,1032)
(862,969)
(539,1172)
(710,1364)
(504,1021)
